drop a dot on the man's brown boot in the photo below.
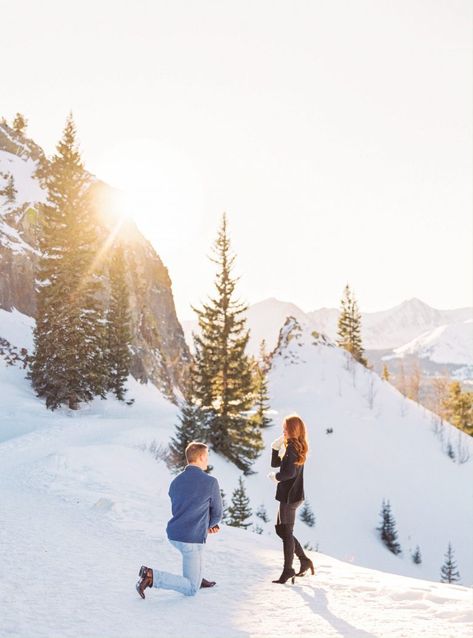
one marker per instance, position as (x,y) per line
(207,583)
(146,580)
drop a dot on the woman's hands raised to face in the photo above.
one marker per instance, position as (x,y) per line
(278,443)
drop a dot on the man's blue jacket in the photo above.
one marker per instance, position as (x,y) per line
(196,505)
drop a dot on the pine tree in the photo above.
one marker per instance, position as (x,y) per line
(416,556)
(9,191)
(307,515)
(262,397)
(118,326)
(191,427)
(224,383)
(19,124)
(388,529)
(449,572)
(458,408)
(349,327)
(68,363)
(262,514)
(187,430)
(385,374)
(239,511)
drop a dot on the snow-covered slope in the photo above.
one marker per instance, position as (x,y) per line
(84,504)
(452,343)
(383,446)
(17,328)
(23,169)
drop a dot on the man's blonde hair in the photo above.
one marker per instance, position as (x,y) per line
(194,450)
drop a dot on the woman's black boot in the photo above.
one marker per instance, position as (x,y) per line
(285,576)
(306,563)
(284,531)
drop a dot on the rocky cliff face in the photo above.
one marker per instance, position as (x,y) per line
(160,353)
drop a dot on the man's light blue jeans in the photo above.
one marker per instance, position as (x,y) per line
(192,564)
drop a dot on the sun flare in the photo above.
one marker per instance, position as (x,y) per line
(157,187)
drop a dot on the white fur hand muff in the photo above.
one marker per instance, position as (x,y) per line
(278,443)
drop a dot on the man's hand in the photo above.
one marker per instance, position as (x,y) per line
(214,529)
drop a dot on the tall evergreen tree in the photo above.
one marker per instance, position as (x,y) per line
(307,516)
(191,426)
(239,511)
(224,383)
(349,327)
(449,572)
(388,529)
(118,326)
(68,362)
(385,374)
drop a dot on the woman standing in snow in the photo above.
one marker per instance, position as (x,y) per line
(289,453)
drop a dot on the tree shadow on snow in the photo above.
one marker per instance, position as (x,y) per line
(319,604)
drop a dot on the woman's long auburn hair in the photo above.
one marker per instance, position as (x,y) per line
(296,432)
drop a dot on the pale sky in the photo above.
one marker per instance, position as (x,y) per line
(337,135)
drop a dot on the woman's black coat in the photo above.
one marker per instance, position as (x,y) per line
(290,488)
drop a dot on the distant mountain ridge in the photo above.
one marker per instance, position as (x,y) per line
(382,330)
(451,343)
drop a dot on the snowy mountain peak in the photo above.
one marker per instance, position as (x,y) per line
(293,340)
(415,302)
(290,332)
(416,308)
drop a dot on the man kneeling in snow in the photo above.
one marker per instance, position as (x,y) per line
(196,511)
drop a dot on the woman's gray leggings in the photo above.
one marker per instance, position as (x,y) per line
(287,513)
